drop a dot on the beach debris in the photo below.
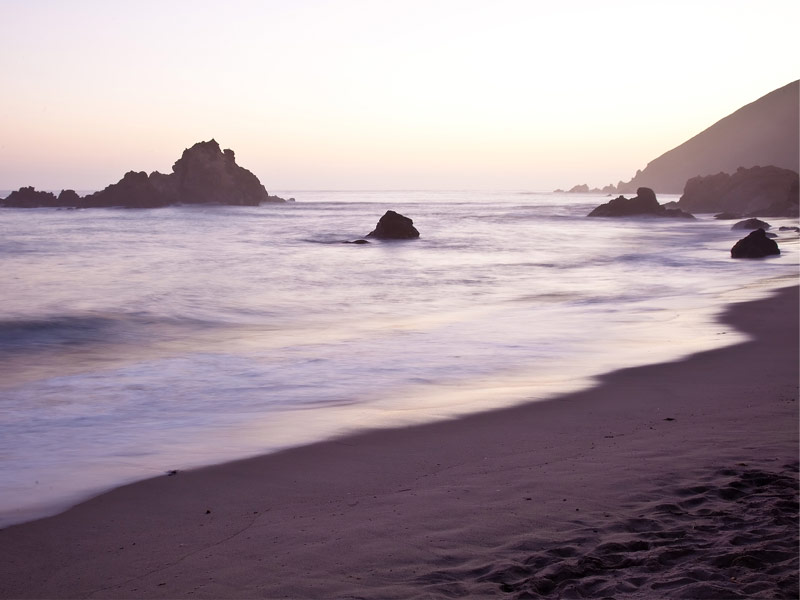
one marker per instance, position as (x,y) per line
(755,245)
(394,226)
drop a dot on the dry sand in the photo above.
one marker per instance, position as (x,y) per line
(675,480)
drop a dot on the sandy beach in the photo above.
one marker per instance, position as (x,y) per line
(673,480)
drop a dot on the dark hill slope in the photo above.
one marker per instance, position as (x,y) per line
(764,132)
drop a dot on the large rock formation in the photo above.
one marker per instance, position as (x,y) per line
(757,191)
(755,245)
(763,133)
(204,174)
(394,226)
(644,204)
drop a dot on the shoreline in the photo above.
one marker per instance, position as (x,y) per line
(584,490)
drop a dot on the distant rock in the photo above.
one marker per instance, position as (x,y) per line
(758,191)
(784,228)
(69,198)
(394,226)
(755,245)
(204,174)
(28,197)
(727,216)
(751,224)
(360,242)
(642,205)
(585,189)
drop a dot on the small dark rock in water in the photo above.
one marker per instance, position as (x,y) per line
(356,242)
(394,226)
(784,228)
(771,235)
(755,245)
(751,224)
(172,472)
(642,205)
(727,216)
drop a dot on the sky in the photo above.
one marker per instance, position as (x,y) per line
(377,94)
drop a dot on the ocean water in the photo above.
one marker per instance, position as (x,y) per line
(134,342)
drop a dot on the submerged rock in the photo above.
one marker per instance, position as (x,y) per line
(642,205)
(751,224)
(755,245)
(394,226)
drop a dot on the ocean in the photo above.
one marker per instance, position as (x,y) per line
(138,342)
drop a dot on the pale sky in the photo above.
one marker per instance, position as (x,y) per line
(373,94)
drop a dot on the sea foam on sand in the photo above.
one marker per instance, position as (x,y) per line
(671,480)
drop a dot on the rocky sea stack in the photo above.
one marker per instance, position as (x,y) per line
(394,226)
(204,174)
(644,204)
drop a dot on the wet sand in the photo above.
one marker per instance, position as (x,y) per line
(675,480)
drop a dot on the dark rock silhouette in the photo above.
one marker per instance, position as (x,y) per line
(755,245)
(68,198)
(644,204)
(757,191)
(585,189)
(727,216)
(360,242)
(763,132)
(204,174)
(784,228)
(28,197)
(394,226)
(751,224)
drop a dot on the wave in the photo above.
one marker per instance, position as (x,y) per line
(72,331)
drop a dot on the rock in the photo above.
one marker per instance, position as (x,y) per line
(394,226)
(134,190)
(758,191)
(751,224)
(204,174)
(643,204)
(356,242)
(727,216)
(755,245)
(772,235)
(28,197)
(783,228)
(69,198)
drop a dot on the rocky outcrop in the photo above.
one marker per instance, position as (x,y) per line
(204,174)
(644,204)
(751,224)
(755,245)
(28,197)
(758,191)
(585,189)
(394,226)
(763,132)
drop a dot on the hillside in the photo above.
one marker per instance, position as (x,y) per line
(764,132)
